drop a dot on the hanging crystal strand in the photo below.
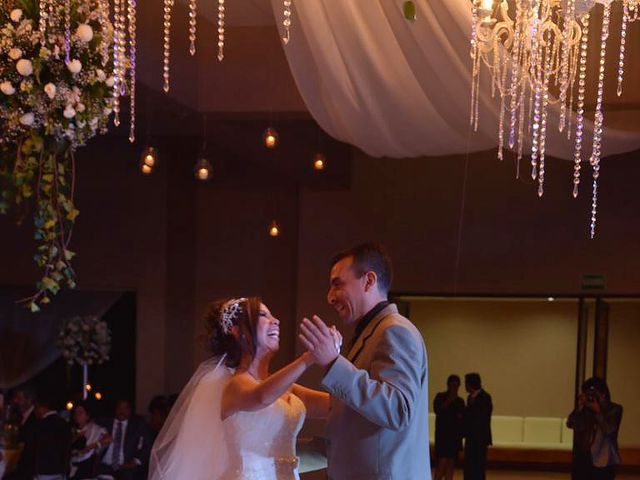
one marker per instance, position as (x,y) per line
(67,30)
(521,120)
(513,90)
(582,75)
(572,81)
(44,14)
(220,30)
(623,35)
(474,57)
(103,19)
(503,94)
(166,47)
(131,17)
(545,105)
(116,62)
(564,61)
(599,116)
(193,13)
(54,15)
(536,75)
(287,21)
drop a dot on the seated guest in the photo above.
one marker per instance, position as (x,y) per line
(128,442)
(158,411)
(47,448)
(87,443)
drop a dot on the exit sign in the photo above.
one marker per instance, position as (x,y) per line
(592,282)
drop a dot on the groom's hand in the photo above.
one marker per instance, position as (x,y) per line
(318,339)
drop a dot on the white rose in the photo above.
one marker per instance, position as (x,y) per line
(69,112)
(16,15)
(74,66)
(110,81)
(7,88)
(50,90)
(27,119)
(24,67)
(80,107)
(101,75)
(15,53)
(84,32)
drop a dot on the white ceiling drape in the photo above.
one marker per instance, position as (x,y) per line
(400,89)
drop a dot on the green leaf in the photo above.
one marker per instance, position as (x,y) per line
(68,254)
(33,306)
(409,10)
(50,284)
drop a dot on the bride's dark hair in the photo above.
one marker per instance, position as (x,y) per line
(220,343)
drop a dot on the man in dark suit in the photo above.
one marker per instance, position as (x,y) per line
(129,445)
(47,446)
(23,414)
(477,428)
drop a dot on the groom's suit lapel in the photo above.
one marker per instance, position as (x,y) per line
(368,332)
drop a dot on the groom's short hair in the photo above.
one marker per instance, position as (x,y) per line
(369,257)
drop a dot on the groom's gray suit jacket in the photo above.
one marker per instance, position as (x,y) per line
(378,424)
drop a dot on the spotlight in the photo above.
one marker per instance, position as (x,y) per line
(551,299)
(148,160)
(270,138)
(274,229)
(203,170)
(319,161)
(69,405)
(88,387)
(98,396)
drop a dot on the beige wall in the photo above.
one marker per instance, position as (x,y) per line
(623,374)
(524,350)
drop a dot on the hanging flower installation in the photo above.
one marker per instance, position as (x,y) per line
(536,52)
(63,69)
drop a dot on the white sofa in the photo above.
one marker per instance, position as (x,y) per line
(540,433)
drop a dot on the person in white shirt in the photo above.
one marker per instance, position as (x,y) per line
(88,442)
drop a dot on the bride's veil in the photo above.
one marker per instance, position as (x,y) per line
(191,443)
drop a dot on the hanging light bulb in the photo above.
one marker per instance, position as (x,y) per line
(274,230)
(69,405)
(148,160)
(203,170)
(270,138)
(98,396)
(88,387)
(319,161)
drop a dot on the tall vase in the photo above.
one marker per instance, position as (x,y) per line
(85,380)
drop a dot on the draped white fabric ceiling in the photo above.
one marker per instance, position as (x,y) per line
(399,89)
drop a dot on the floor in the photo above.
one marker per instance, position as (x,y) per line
(502,475)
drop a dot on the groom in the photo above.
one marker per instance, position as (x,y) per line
(377,426)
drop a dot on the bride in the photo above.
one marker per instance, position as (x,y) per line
(234,421)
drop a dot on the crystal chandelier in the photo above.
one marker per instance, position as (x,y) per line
(533,48)
(193,13)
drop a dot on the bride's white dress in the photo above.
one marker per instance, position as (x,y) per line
(195,444)
(261,444)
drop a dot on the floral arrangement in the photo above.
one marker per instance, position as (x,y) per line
(85,340)
(56,92)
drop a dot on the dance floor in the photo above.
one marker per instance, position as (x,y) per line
(501,475)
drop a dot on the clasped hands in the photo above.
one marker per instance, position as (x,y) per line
(322,342)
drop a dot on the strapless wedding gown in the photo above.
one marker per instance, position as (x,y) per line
(262,444)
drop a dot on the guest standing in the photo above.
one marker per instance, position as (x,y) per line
(449,409)
(477,428)
(595,422)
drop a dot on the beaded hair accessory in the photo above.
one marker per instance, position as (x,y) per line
(230,312)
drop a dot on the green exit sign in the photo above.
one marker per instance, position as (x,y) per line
(592,282)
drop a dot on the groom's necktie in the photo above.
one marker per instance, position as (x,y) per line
(117,444)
